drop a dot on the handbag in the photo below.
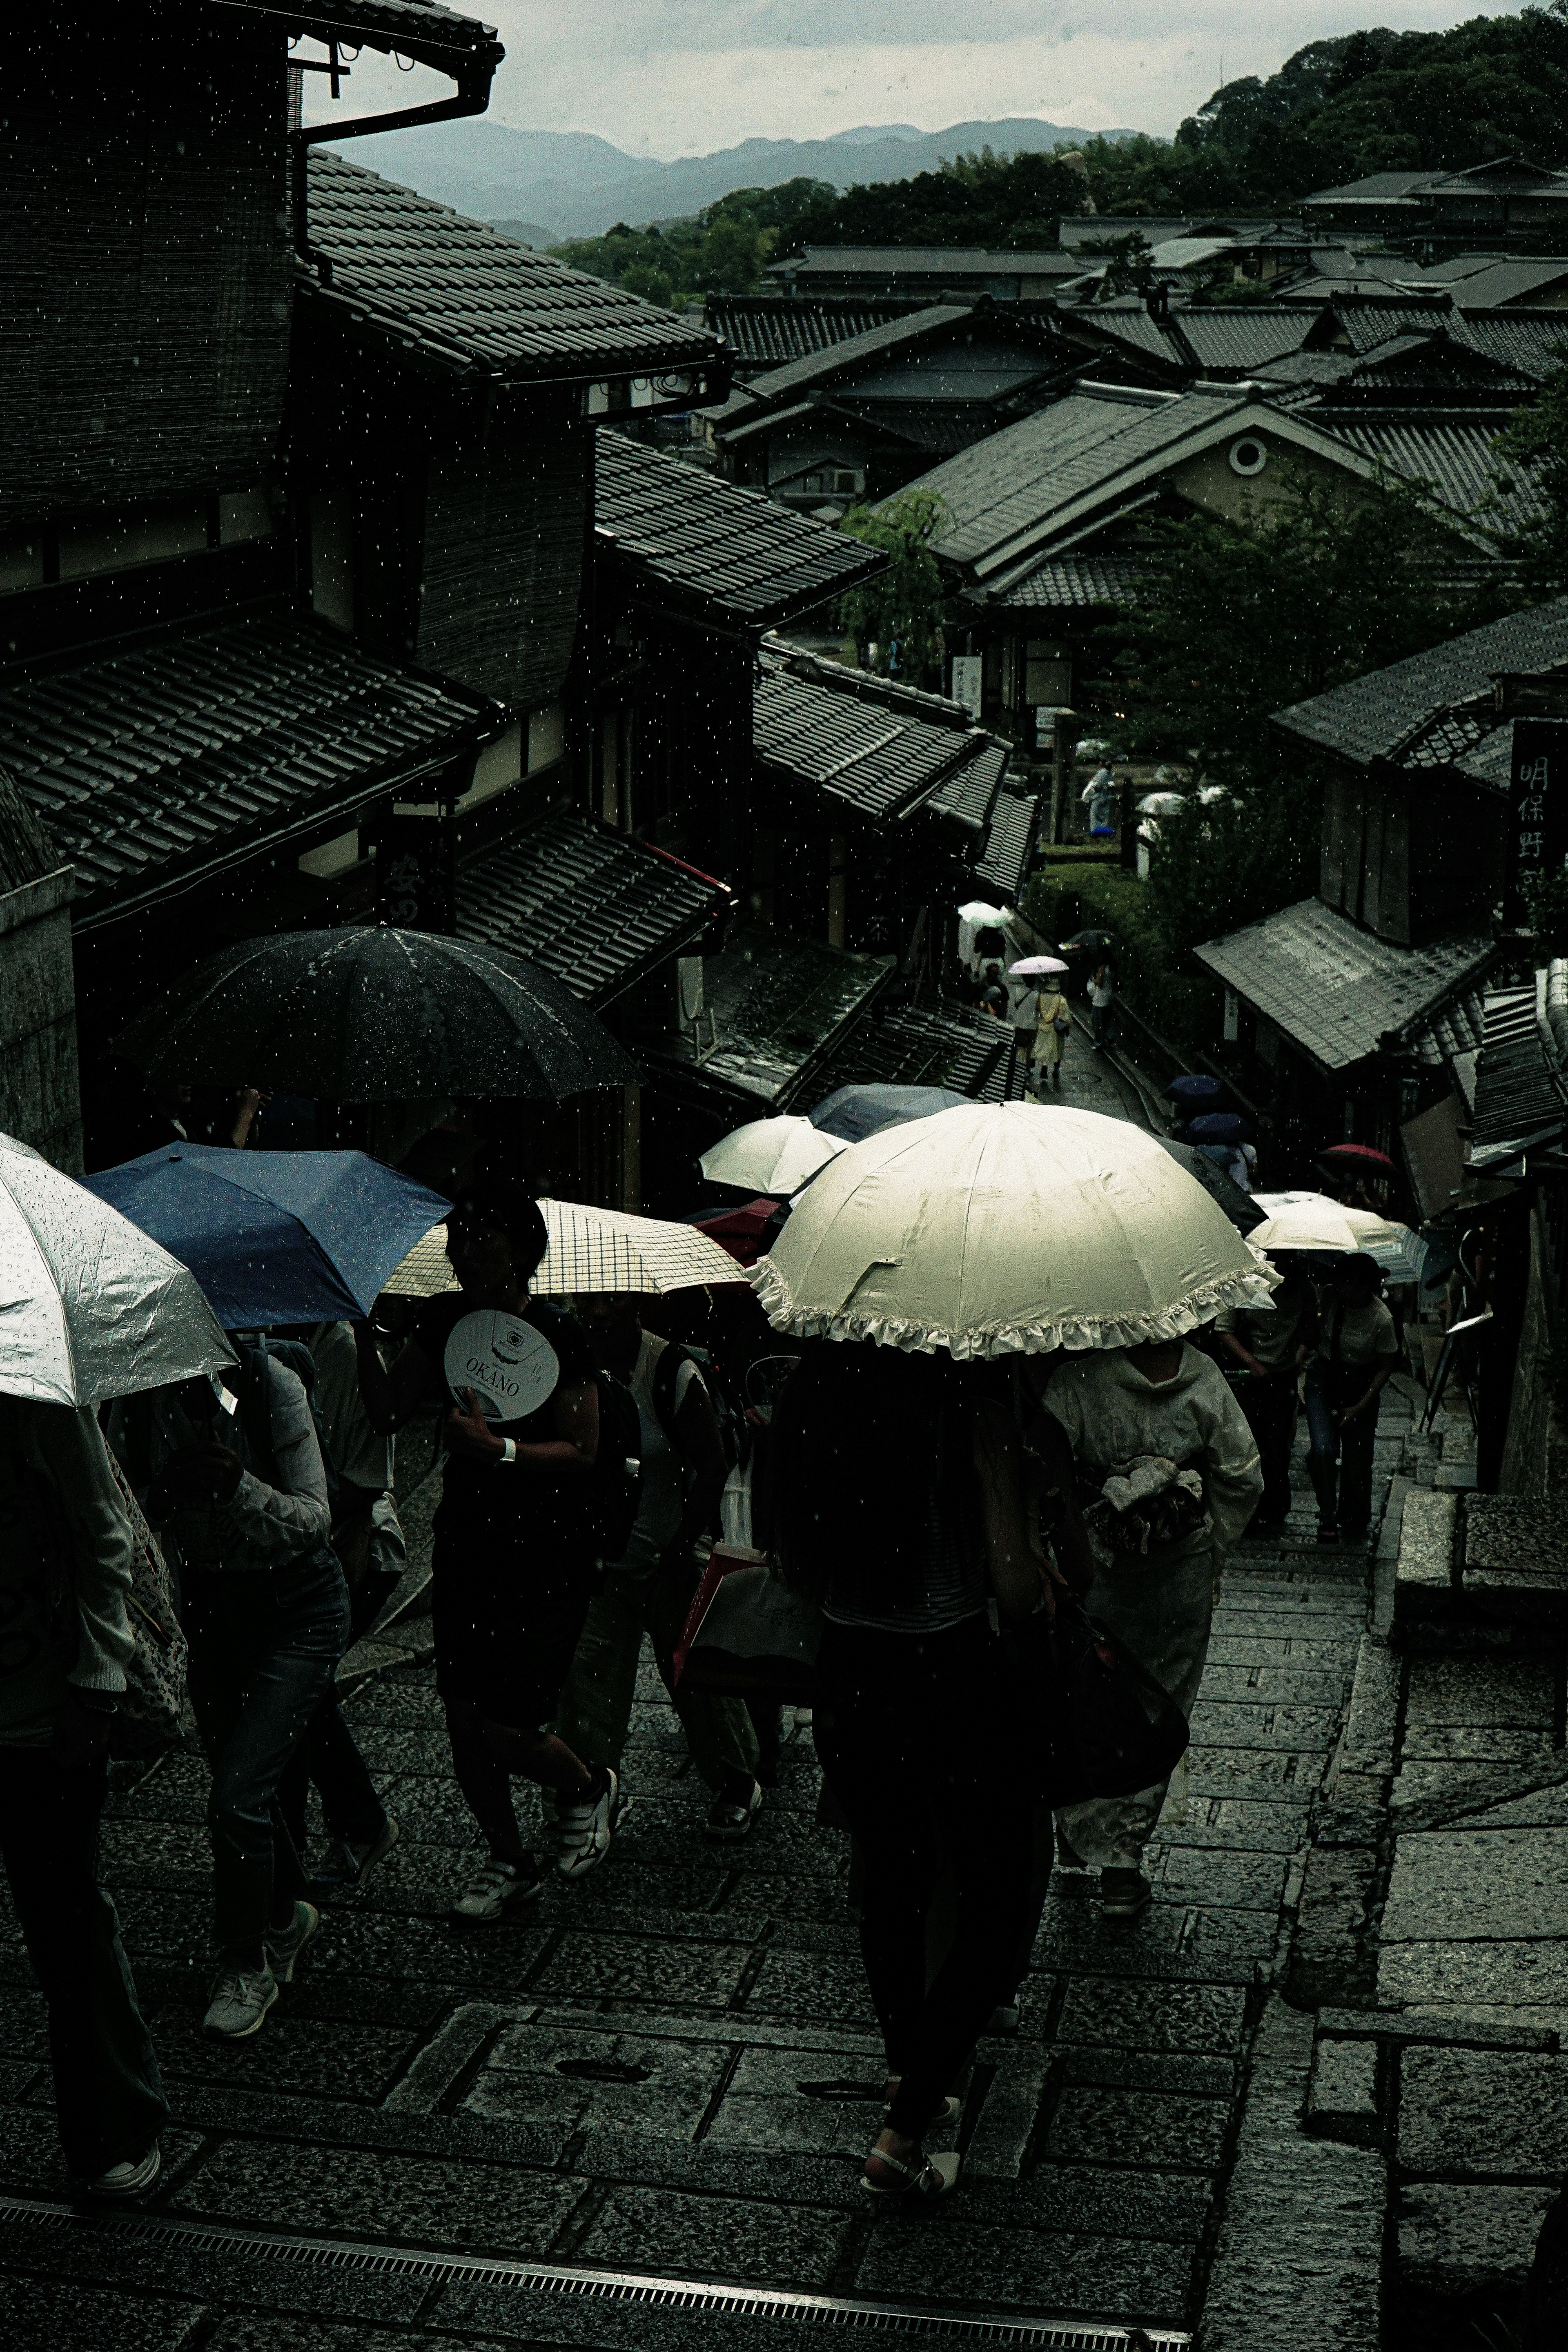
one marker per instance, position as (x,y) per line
(746,1634)
(1106,1726)
(148,1718)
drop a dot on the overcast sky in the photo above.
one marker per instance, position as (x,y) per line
(671,78)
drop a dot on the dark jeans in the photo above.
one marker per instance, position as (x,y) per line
(108,2099)
(1271,1410)
(919,1739)
(329,1755)
(1330,1388)
(264,1647)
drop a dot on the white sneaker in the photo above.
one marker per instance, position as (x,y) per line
(130,2178)
(240,2000)
(582,1832)
(490,1889)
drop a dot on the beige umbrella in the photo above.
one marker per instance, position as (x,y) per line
(590,1249)
(997,1228)
(771,1155)
(1312,1221)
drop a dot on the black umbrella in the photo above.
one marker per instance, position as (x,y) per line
(1090,940)
(1239,1207)
(375,1015)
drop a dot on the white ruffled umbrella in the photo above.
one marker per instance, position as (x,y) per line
(771,1155)
(90,1307)
(1001,1228)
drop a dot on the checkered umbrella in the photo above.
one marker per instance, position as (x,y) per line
(590,1249)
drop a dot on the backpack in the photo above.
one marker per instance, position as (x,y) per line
(614,1483)
(732,1425)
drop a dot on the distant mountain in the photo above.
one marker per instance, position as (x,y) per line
(528,233)
(581,185)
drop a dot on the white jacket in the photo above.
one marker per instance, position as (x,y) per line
(1111,1414)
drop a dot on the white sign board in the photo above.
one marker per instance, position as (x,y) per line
(511,1367)
(968,681)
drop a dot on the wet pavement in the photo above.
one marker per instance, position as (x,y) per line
(670,2067)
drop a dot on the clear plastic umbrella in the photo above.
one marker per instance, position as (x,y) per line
(90,1307)
(771,1155)
(1000,1228)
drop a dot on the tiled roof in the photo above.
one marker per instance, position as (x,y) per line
(455,293)
(766,331)
(181,755)
(1072,579)
(1509,281)
(421,29)
(1448,1032)
(692,538)
(928,261)
(1227,335)
(594,906)
(775,1007)
(1456,460)
(939,1044)
(1332,987)
(1136,329)
(1530,341)
(1522,1095)
(1019,478)
(965,796)
(1367,324)
(874,761)
(1003,866)
(968,363)
(1373,718)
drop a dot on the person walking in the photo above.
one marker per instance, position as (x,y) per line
(1101,1000)
(65,1579)
(1162,1404)
(514,1565)
(1098,797)
(901,1504)
(231,1476)
(1357,1355)
(360,1830)
(651,1587)
(1272,1343)
(1053,1023)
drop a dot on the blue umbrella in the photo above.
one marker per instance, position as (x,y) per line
(856,1112)
(274,1237)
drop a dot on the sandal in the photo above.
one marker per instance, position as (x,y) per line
(933,2176)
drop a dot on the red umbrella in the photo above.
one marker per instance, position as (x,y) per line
(740,1231)
(1356,1155)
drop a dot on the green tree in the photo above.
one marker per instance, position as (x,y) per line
(896,619)
(1241,618)
(1538,439)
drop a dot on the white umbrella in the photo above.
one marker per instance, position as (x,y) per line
(996,1228)
(1035,967)
(590,1249)
(1312,1221)
(90,1307)
(771,1155)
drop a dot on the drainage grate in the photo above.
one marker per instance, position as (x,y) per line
(916,2325)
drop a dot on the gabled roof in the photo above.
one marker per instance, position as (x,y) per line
(1026,490)
(763,331)
(1070,580)
(1532,343)
(1378,716)
(1377,187)
(594,906)
(422,281)
(1334,989)
(832,360)
(922,340)
(689,538)
(187,753)
(875,761)
(1454,458)
(1228,335)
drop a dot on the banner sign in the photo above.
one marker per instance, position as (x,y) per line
(1537,814)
